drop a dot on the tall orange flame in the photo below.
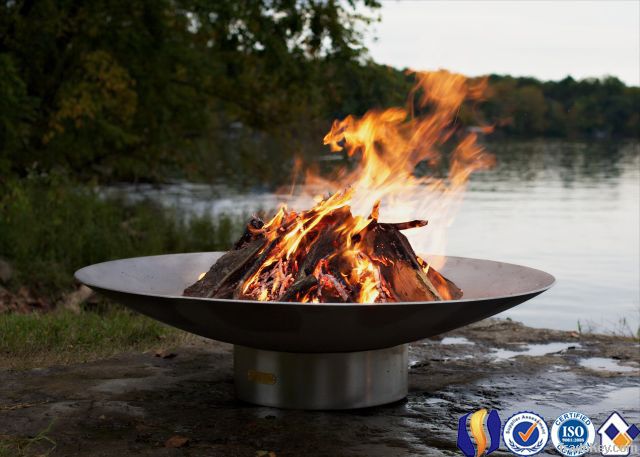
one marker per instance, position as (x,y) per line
(393,142)
(390,144)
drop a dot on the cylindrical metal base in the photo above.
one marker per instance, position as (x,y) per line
(343,380)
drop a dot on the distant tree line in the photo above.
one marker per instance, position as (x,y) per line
(129,89)
(593,108)
(600,108)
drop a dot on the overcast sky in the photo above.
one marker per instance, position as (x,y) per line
(543,38)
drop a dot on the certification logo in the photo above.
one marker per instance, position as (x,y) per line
(479,433)
(573,434)
(525,433)
(616,435)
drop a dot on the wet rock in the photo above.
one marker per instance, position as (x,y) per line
(73,300)
(132,403)
(176,441)
(165,354)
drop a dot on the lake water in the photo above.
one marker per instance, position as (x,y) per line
(570,209)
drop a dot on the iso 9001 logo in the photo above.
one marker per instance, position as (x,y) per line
(573,434)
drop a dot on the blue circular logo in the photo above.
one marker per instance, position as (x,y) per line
(525,433)
(573,434)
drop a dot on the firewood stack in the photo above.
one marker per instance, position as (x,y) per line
(324,255)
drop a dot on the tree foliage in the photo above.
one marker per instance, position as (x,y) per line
(128,89)
(119,86)
(600,108)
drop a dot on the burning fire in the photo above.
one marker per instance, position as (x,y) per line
(390,145)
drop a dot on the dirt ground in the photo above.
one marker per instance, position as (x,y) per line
(139,404)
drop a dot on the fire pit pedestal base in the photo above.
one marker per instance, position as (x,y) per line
(344,380)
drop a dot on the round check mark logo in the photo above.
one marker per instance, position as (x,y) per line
(526,435)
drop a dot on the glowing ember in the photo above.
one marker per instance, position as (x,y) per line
(328,254)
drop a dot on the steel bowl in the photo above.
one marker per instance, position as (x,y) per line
(153,286)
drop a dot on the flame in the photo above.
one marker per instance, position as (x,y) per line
(477,427)
(389,145)
(393,142)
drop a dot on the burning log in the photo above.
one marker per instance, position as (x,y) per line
(251,232)
(411,278)
(324,255)
(406,225)
(226,272)
(300,287)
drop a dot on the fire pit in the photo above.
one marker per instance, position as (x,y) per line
(307,355)
(320,304)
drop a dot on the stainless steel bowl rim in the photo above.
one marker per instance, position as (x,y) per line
(79,275)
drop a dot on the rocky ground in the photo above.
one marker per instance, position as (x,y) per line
(182,403)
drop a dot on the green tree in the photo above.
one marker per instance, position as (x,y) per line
(126,88)
(16,112)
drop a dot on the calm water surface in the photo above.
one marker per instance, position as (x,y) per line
(570,209)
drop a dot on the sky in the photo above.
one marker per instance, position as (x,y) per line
(544,38)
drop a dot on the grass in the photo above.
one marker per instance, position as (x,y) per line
(51,226)
(619,327)
(40,445)
(61,337)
